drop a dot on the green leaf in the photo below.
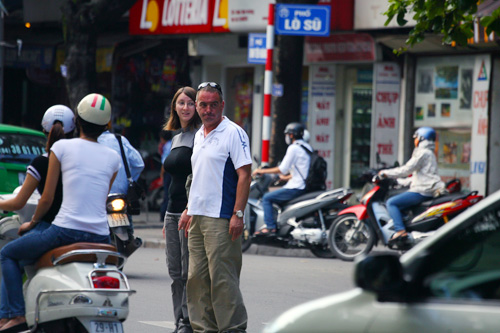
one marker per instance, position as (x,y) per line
(401,18)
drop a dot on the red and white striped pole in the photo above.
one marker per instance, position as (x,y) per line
(268,84)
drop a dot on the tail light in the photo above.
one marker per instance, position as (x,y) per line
(105,282)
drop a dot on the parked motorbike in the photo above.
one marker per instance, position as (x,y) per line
(121,234)
(155,194)
(301,223)
(358,228)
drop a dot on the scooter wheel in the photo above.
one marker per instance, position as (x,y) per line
(349,239)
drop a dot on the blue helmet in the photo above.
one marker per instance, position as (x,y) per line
(425,133)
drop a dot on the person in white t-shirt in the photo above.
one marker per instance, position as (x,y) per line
(88,170)
(219,192)
(295,163)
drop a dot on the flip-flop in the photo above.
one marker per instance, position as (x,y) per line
(265,232)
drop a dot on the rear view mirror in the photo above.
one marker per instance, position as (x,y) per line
(381,274)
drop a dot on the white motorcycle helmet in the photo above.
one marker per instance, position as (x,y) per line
(95,109)
(59,113)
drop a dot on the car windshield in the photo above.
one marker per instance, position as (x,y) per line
(468,266)
(20,148)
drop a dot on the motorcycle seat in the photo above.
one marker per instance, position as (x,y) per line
(443,199)
(303,197)
(47,260)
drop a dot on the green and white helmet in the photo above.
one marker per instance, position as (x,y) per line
(95,109)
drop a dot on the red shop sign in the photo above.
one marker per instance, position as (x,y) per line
(167,17)
(340,47)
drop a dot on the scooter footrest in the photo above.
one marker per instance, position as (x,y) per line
(47,260)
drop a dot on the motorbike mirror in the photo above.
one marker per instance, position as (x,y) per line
(378,158)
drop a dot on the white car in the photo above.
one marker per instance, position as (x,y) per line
(450,282)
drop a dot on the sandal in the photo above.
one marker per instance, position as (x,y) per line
(397,236)
(265,232)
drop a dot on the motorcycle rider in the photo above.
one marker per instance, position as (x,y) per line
(425,182)
(87,169)
(58,122)
(135,164)
(295,162)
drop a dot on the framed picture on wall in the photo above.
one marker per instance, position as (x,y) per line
(446,82)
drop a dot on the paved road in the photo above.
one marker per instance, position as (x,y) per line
(270,285)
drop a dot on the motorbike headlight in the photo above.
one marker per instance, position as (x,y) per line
(116,205)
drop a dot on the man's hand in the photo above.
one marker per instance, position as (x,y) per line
(256,172)
(185,222)
(235,227)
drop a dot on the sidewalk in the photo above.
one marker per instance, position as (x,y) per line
(148,227)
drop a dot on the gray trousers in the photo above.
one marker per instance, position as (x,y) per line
(177,262)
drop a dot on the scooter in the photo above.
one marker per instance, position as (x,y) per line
(74,288)
(121,234)
(301,223)
(358,228)
(77,288)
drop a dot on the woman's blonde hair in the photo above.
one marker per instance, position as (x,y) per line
(174,122)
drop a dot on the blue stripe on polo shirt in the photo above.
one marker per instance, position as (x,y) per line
(229,184)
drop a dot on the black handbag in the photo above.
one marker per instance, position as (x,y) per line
(135,192)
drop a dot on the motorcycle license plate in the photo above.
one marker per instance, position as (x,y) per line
(106,327)
(118,220)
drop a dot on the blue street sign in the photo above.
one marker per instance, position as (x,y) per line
(302,20)
(257,52)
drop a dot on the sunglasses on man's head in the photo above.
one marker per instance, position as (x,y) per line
(211,84)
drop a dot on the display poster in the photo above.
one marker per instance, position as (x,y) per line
(443,91)
(322,114)
(479,140)
(451,95)
(385,113)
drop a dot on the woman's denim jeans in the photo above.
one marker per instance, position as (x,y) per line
(400,202)
(27,249)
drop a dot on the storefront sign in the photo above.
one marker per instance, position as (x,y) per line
(257,51)
(302,20)
(479,140)
(247,15)
(369,14)
(385,114)
(322,113)
(340,47)
(162,17)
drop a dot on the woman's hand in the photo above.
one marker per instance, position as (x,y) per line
(25,227)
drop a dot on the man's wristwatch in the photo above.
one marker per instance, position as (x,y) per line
(239,214)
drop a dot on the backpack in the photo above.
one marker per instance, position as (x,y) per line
(316,177)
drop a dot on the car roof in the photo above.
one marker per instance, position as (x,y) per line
(463,218)
(4,128)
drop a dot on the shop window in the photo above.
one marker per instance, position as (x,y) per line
(361,133)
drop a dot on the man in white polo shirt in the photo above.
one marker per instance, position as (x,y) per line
(219,190)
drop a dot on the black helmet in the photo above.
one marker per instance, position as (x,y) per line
(296,129)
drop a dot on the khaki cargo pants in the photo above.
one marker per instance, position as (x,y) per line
(215,303)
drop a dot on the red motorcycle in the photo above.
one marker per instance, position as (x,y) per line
(358,228)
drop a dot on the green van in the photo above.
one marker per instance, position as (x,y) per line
(18,147)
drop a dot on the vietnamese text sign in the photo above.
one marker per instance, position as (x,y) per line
(257,51)
(302,20)
(385,115)
(322,114)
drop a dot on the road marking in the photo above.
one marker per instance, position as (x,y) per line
(164,324)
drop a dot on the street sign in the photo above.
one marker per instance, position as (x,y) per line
(302,20)
(257,52)
(277,90)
